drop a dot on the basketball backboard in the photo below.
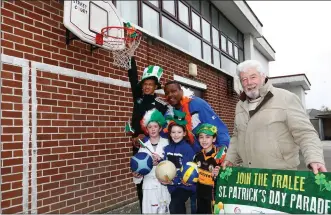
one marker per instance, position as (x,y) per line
(85,19)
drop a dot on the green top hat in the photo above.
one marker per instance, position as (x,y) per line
(178,117)
(153,116)
(206,128)
(152,72)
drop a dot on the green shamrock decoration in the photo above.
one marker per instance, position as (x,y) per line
(222,175)
(327,186)
(321,181)
(225,175)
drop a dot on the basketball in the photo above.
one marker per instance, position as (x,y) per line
(190,172)
(165,171)
(141,163)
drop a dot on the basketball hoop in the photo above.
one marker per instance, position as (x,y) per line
(123,42)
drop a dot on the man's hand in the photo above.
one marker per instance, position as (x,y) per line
(317,167)
(226,164)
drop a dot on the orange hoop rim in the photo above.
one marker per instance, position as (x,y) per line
(126,38)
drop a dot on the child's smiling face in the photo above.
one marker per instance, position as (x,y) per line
(206,141)
(177,133)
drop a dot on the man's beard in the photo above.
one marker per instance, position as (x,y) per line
(253,94)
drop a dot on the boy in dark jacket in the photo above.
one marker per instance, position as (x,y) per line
(144,99)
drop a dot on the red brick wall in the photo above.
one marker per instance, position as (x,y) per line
(83,155)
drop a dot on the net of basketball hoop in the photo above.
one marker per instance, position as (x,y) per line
(123,42)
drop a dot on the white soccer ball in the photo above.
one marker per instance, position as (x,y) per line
(165,171)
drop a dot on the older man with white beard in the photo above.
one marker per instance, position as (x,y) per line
(271,126)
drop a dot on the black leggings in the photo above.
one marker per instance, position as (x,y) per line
(178,199)
(204,206)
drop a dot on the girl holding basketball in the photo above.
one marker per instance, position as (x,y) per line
(179,152)
(154,193)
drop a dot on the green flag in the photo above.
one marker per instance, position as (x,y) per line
(246,190)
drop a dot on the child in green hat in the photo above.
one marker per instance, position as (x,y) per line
(154,193)
(208,167)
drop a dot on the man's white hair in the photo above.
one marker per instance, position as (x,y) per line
(250,64)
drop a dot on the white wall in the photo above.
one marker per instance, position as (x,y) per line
(265,63)
(299,91)
(252,53)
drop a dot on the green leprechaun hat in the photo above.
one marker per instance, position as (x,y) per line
(178,117)
(206,128)
(152,72)
(153,116)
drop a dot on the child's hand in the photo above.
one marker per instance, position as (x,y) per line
(166,182)
(136,175)
(215,172)
(186,184)
(156,159)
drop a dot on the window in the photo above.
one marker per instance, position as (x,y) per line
(240,40)
(227,28)
(223,42)
(230,48)
(214,16)
(181,37)
(215,37)
(216,58)
(151,20)
(183,13)
(154,2)
(195,4)
(195,26)
(205,9)
(236,54)
(205,30)
(197,92)
(228,65)
(129,15)
(241,55)
(169,6)
(196,22)
(195,45)
(206,52)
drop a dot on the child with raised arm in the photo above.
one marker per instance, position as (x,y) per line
(154,193)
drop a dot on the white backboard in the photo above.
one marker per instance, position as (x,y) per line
(86,18)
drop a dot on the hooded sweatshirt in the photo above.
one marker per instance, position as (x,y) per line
(179,153)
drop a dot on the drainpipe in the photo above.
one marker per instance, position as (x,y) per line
(321,128)
(0,104)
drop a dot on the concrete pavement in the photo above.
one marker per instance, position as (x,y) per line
(327,157)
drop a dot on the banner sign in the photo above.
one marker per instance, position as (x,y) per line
(246,190)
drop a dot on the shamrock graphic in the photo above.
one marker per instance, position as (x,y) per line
(327,186)
(320,180)
(222,175)
(225,175)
